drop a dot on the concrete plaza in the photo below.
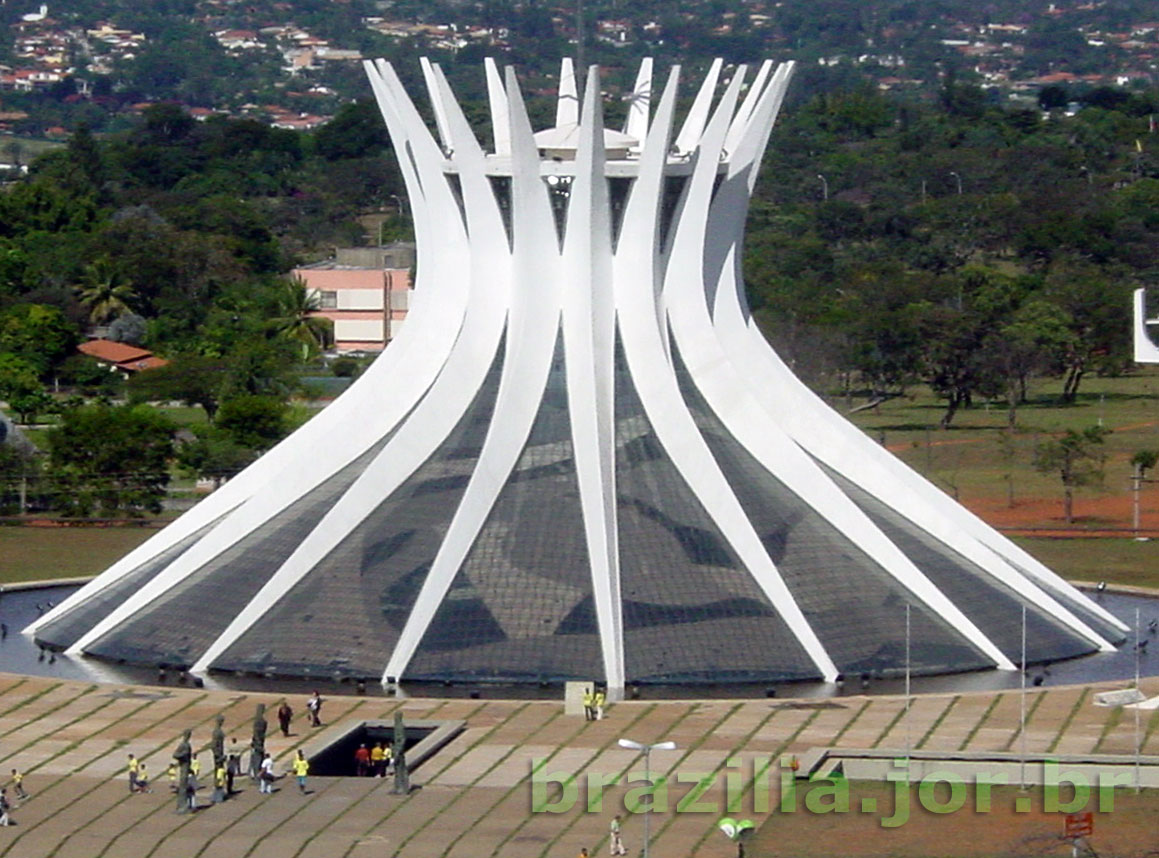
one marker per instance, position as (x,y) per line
(72,739)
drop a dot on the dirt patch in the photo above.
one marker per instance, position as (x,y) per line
(1128,829)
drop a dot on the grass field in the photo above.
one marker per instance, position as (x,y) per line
(1124,830)
(975,461)
(38,553)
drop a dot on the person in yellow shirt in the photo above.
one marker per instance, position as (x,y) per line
(195,768)
(377,760)
(18,784)
(134,766)
(301,769)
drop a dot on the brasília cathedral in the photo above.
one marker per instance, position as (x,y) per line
(579,459)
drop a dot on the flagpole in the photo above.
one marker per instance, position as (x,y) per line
(908,737)
(1022,713)
(1138,744)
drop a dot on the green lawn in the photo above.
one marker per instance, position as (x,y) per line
(974,459)
(37,553)
(1119,561)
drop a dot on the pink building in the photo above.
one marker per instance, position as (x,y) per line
(364,291)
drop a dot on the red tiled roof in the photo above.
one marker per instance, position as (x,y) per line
(113,352)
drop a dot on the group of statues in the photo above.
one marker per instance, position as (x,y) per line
(183,757)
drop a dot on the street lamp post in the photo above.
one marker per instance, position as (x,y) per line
(646,750)
(824,187)
(957,179)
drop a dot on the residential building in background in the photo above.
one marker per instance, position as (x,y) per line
(364,291)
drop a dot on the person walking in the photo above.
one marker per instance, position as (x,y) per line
(285,716)
(589,704)
(5,807)
(301,769)
(171,773)
(616,841)
(266,774)
(195,770)
(134,767)
(598,700)
(219,783)
(314,707)
(232,770)
(18,784)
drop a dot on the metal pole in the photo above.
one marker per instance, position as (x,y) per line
(824,187)
(1138,744)
(648,809)
(908,738)
(1022,714)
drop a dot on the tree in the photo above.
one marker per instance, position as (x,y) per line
(1077,458)
(296,320)
(1037,338)
(104,293)
(39,334)
(110,458)
(214,455)
(191,379)
(20,387)
(254,422)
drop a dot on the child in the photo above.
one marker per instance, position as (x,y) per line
(143,779)
(18,784)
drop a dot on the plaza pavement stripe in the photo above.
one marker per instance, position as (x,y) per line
(705,751)
(143,827)
(432,839)
(828,724)
(116,803)
(1000,725)
(350,827)
(35,708)
(429,802)
(54,732)
(83,796)
(111,811)
(163,815)
(481,759)
(247,817)
(252,819)
(939,722)
(541,834)
(769,770)
(869,728)
(575,751)
(571,750)
(482,802)
(908,730)
(959,719)
(683,833)
(1084,731)
(1051,719)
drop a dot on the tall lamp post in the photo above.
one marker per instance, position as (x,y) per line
(824,187)
(646,750)
(957,179)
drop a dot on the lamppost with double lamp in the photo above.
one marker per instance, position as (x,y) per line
(646,750)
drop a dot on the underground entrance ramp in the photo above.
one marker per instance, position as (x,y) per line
(331,754)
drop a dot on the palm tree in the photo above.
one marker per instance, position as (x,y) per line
(297,319)
(103,293)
